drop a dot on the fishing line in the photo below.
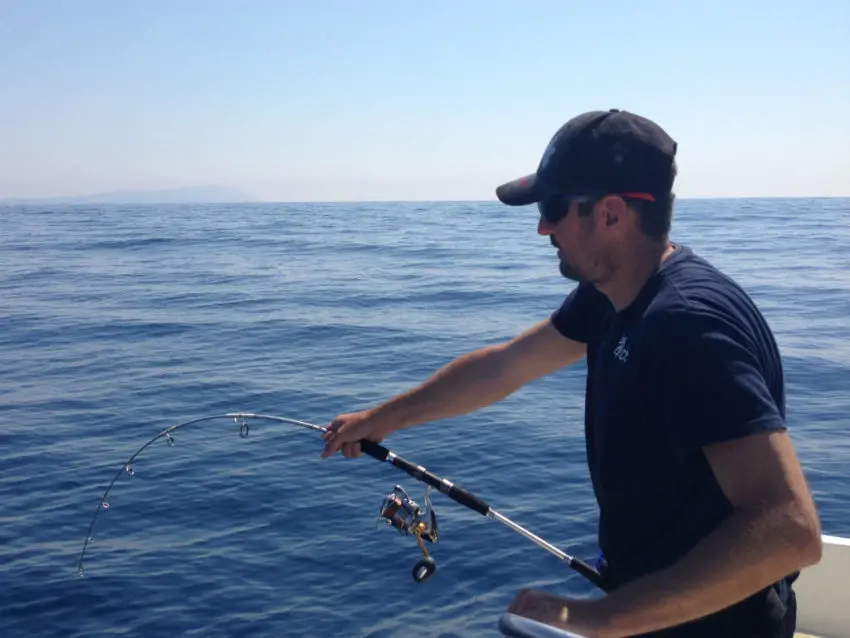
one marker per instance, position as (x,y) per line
(397,510)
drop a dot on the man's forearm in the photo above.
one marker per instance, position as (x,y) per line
(745,554)
(470,382)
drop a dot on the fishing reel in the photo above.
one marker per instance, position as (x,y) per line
(402,512)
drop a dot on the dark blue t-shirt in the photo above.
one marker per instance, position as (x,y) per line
(690,362)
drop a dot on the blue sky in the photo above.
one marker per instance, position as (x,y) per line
(383,100)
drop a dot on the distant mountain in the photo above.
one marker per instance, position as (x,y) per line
(187,195)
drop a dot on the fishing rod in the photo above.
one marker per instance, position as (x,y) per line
(397,510)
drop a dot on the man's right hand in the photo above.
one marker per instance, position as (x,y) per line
(346,431)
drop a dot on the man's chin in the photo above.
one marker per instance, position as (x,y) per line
(569,272)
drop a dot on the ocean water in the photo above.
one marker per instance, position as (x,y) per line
(117,322)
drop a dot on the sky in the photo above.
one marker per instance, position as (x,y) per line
(340,100)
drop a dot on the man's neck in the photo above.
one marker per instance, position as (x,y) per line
(624,287)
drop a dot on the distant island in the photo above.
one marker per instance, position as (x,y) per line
(186,195)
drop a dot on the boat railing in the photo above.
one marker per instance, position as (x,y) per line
(514,626)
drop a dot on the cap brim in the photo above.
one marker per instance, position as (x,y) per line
(521,191)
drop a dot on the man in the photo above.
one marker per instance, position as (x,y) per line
(705,516)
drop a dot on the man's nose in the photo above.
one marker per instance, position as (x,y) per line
(545,228)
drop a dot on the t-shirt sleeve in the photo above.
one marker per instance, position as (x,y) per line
(714,382)
(582,313)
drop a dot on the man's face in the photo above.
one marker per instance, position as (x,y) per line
(584,249)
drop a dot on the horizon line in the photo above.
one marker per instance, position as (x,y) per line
(19,201)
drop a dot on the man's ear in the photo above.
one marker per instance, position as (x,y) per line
(612,212)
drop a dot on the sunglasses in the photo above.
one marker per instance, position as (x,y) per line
(553,209)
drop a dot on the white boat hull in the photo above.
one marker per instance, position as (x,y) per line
(823,600)
(823,592)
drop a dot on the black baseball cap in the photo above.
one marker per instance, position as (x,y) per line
(597,153)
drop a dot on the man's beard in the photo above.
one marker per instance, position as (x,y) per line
(567,270)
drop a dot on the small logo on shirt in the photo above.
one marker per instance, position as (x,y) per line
(621,352)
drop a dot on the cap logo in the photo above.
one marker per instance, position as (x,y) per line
(619,153)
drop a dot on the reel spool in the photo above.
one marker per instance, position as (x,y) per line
(403,513)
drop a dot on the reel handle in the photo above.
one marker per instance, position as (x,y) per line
(454,492)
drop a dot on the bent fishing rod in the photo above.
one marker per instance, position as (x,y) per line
(397,510)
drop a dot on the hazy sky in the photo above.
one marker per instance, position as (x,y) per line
(376,100)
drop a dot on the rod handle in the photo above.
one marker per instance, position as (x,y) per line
(375,450)
(589,573)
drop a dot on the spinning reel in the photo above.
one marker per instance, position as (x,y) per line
(402,512)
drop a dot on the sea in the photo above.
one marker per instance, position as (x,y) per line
(118,322)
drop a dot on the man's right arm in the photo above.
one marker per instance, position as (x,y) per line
(482,377)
